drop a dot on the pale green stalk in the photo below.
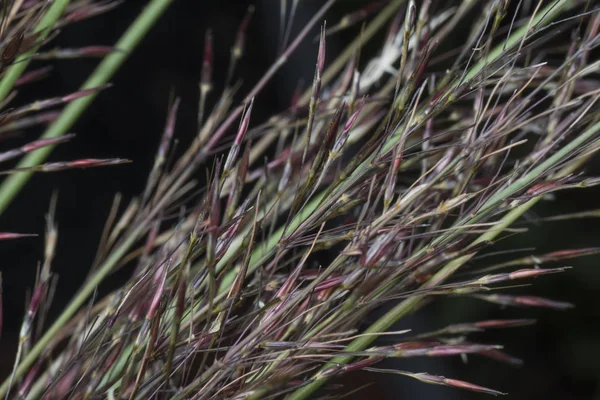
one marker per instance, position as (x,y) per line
(12,185)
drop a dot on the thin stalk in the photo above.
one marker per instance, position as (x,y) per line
(107,68)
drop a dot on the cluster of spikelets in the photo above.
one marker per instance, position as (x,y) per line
(395,171)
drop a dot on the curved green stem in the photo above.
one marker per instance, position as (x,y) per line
(13,184)
(107,68)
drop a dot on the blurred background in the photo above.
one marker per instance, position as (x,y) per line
(561,352)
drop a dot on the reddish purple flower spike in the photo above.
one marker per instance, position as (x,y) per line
(440,380)
(63,165)
(39,294)
(520,274)
(91,11)
(34,75)
(240,39)
(83,93)
(246,21)
(88,51)
(10,236)
(557,255)
(322,50)
(90,162)
(362,364)
(531,301)
(542,302)
(356,16)
(330,283)
(352,119)
(529,273)
(501,356)
(546,186)
(503,323)
(470,386)
(65,384)
(453,350)
(169,131)
(207,61)
(29,380)
(47,117)
(436,349)
(95,51)
(244,125)
(235,148)
(157,295)
(46,142)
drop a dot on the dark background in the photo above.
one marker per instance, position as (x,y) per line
(561,352)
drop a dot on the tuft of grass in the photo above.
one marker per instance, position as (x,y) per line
(400,169)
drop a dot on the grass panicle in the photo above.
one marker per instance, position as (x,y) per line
(388,181)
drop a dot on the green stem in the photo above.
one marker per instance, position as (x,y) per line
(11,186)
(107,68)
(43,29)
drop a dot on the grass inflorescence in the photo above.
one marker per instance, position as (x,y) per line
(375,186)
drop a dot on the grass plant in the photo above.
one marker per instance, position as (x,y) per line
(376,186)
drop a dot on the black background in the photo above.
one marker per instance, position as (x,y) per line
(561,352)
